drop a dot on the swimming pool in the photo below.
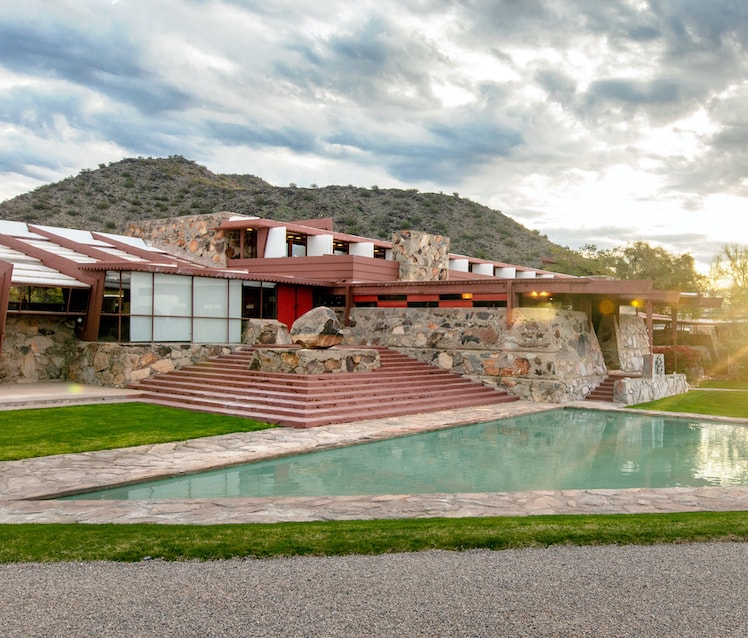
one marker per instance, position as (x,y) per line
(559,449)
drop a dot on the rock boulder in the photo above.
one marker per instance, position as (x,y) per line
(318,328)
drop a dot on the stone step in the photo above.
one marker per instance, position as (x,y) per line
(308,383)
(402,385)
(309,417)
(604,391)
(351,396)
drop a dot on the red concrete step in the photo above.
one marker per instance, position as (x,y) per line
(325,391)
(401,385)
(351,398)
(605,390)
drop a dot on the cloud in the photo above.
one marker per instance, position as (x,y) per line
(545,109)
(106,62)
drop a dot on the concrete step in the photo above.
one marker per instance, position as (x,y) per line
(605,390)
(351,397)
(309,417)
(402,385)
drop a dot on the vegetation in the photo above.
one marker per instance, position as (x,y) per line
(56,543)
(730,267)
(48,543)
(708,402)
(681,359)
(729,275)
(725,384)
(110,197)
(638,260)
(82,428)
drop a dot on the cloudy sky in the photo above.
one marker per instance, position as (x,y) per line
(595,121)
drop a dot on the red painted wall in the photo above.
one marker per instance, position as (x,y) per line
(293,301)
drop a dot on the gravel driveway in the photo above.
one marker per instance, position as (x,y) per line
(667,590)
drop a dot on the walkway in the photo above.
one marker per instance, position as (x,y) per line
(21,482)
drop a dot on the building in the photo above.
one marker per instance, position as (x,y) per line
(199,280)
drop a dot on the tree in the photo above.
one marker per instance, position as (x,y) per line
(588,261)
(729,272)
(667,271)
(637,260)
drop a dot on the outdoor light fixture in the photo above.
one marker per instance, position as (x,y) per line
(466,295)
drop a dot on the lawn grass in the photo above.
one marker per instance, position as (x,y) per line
(727,384)
(86,425)
(83,428)
(706,402)
(56,543)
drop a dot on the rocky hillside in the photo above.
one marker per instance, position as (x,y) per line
(107,198)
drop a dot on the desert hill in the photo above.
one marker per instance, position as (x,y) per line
(107,198)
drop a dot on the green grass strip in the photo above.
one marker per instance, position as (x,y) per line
(83,428)
(127,543)
(706,402)
(726,384)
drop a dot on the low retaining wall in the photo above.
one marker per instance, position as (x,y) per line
(314,361)
(46,349)
(37,349)
(633,391)
(117,365)
(545,355)
(654,383)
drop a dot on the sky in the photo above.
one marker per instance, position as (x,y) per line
(592,122)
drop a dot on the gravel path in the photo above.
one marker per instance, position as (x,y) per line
(668,590)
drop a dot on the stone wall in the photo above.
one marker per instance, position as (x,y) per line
(315,360)
(421,256)
(624,342)
(37,349)
(194,237)
(117,365)
(546,355)
(45,349)
(652,385)
(633,391)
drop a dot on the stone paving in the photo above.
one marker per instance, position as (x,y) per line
(25,483)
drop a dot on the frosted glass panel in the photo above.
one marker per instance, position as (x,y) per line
(140,328)
(141,293)
(235,331)
(210,331)
(211,297)
(173,296)
(172,329)
(235,298)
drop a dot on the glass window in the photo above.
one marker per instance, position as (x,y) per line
(141,293)
(211,297)
(172,295)
(172,329)
(210,330)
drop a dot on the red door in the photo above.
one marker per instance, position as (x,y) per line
(293,301)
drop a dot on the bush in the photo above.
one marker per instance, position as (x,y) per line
(681,359)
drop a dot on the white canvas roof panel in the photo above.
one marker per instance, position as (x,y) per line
(28,271)
(60,251)
(135,242)
(17,229)
(79,236)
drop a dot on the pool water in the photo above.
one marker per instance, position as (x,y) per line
(558,449)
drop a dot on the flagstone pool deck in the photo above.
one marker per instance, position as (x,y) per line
(26,485)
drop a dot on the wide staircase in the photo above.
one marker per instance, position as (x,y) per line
(402,385)
(604,391)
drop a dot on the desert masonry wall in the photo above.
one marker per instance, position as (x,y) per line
(545,355)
